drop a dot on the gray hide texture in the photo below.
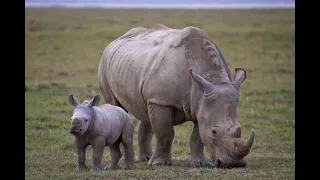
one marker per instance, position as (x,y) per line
(165,77)
(101,126)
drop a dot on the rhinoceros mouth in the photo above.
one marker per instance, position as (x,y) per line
(74,133)
(220,164)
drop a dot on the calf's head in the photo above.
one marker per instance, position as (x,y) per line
(219,128)
(82,116)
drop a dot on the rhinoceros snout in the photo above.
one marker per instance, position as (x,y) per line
(75,130)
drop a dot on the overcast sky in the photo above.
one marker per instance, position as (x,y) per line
(161,1)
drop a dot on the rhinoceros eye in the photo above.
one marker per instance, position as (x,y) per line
(215,130)
(86,120)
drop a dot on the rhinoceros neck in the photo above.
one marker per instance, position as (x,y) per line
(92,122)
(197,94)
(205,59)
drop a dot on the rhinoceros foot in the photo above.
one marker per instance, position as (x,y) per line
(96,170)
(82,168)
(112,167)
(201,163)
(130,166)
(144,157)
(161,162)
(160,159)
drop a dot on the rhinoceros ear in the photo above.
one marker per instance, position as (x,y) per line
(240,75)
(73,101)
(94,101)
(204,84)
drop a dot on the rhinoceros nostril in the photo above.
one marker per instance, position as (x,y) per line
(80,130)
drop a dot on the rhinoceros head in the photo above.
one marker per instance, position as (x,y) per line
(82,114)
(219,128)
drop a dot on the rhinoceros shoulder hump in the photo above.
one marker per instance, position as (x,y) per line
(161,27)
(187,34)
(133,32)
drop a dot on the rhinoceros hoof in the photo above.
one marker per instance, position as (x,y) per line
(95,170)
(132,166)
(197,164)
(112,167)
(84,168)
(144,157)
(162,163)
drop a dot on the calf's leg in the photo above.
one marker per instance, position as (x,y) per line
(98,147)
(81,152)
(115,156)
(127,141)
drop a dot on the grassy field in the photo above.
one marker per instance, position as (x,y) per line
(63,50)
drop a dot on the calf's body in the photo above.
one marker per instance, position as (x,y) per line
(101,126)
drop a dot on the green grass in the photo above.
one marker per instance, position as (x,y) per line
(63,50)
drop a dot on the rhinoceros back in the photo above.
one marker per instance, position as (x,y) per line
(136,69)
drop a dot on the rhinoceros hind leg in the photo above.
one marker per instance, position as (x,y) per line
(145,134)
(127,141)
(161,119)
(197,158)
(115,156)
(122,159)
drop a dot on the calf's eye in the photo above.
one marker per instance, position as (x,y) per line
(214,131)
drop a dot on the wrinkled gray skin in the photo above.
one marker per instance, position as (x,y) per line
(101,126)
(147,72)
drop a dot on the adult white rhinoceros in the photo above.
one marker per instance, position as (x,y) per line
(147,72)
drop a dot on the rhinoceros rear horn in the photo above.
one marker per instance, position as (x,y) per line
(204,84)
(244,148)
(72,100)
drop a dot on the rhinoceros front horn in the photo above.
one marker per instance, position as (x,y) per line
(244,148)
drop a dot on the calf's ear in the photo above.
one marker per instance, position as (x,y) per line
(94,101)
(73,101)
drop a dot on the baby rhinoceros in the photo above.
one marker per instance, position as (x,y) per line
(101,126)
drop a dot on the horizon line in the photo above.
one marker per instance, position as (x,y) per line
(165,6)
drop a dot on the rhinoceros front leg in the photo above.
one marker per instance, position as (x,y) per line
(145,134)
(81,152)
(161,119)
(98,147)
(197,158)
